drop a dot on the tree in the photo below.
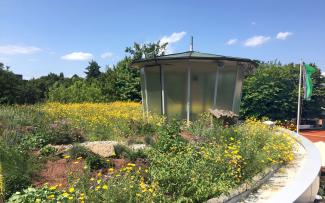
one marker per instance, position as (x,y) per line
(272,92)
(122,82)
(10,87)
(79,91)
(149,50)
(92,70)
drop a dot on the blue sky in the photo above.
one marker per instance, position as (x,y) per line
(42,36)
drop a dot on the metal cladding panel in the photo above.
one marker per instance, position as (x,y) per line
(153,89)
(226,86)
(175,82)
(203,76)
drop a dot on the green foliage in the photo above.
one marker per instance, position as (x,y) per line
(94,161)
(196,171)
(123,151)
(92,70)
(79,151)
(121,83)
(273,91)
(10,87)
(149,50)
(48,150)
(17,168)
(127,185)
(32,195)
(79,91)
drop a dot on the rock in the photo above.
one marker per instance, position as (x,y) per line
(102,148)
(137,146)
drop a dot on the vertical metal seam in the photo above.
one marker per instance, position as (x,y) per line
(162,83)
(142,90)
(216,88)
(188,93)
(235,89)
(145,90)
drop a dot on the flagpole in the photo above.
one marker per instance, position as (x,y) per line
(299,97)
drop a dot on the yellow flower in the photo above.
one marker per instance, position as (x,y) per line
(51,196)
(70,197)
(99,174)
(131,164)
(66,156)
(76,162)
(111,170)
(71,190)
(53,187)
(105,187)
(79,158)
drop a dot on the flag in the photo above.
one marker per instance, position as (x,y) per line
(308,84)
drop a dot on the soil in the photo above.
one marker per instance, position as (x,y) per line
(55,172)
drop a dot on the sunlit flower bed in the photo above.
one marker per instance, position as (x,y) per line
(178,169)
(117,118)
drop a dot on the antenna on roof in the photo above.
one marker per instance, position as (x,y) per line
(191,44)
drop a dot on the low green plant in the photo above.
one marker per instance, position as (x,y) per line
(17,169)
(77,151)
(94,161)
(123,151)
(149,140)
(32,195)
(48,150)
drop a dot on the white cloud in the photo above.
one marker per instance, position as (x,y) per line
(323,73)
(283,35)
(77,56)
(171,39)
(106,55)
(256,41)
(16,49)
(232,41)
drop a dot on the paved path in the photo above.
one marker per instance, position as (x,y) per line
(314,135)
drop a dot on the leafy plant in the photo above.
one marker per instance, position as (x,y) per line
(48,150)
(94,161)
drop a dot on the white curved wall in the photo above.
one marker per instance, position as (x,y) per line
(305,185)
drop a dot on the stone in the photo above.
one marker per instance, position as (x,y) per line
(102,148)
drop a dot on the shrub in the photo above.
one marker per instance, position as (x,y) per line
(17,168)
(61,132)
(122,151)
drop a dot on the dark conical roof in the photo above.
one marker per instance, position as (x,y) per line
(189,55)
